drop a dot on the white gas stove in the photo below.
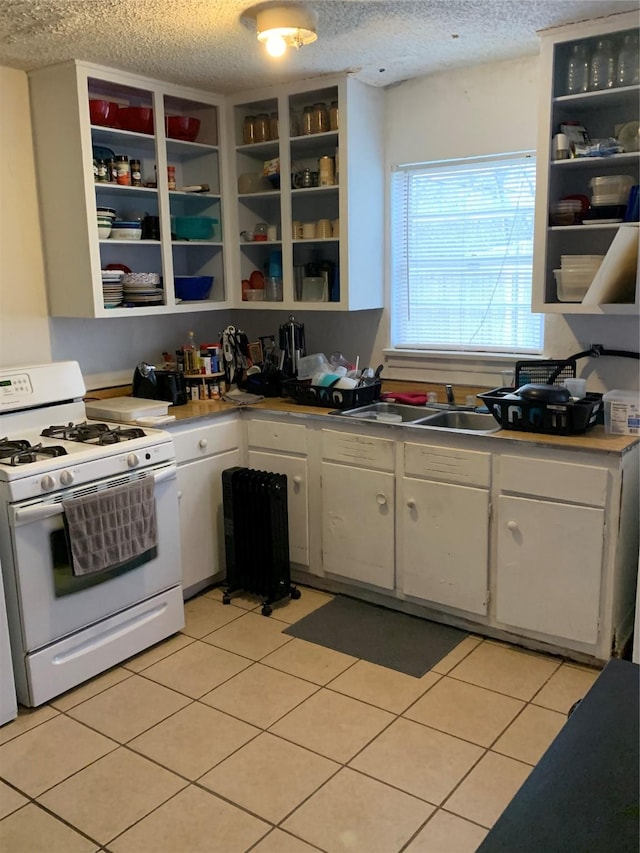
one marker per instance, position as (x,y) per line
(65,628)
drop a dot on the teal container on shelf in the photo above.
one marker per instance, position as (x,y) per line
(194,227)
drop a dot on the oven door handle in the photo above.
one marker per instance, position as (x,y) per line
(28,514)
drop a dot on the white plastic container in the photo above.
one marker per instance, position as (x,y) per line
(622,412)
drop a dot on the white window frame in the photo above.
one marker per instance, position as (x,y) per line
(415,354)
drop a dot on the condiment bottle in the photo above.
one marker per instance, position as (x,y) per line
(102,172)
(136,176)
(123,170)
(171,177)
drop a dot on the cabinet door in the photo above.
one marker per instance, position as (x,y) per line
(444,530)
(201,518)
(549,567)
(358,524)
(297,498)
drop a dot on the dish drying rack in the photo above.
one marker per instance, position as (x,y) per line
(516,413)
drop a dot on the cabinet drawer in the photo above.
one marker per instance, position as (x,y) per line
(468,467)
(277,436)
(200,441)
(564,481)
(364,450)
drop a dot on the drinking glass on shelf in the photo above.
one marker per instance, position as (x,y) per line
(628,70)
(602,69)
(577,79)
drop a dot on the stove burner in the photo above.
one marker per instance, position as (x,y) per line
(20,452)
(8,448)
(90,433)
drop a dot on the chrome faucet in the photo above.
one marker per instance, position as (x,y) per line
(451,400)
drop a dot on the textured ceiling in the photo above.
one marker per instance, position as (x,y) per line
(210,44)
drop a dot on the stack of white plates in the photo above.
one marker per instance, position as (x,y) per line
(142,288)
(112,290)
(575,275)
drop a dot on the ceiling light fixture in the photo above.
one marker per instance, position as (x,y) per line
(280,27)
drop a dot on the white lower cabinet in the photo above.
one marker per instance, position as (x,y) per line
(445,536)
(273,438)
(203,453)
(443,523)
(550,534)
(549,567)
(358,508)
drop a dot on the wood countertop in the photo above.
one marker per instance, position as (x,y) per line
(594,440)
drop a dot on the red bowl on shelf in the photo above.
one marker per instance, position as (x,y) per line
(104,113)
(183,127)
(136,119)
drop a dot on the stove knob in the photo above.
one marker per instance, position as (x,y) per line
(132,460)
(47,483)
(66,478)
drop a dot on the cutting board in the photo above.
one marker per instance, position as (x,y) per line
(125,410)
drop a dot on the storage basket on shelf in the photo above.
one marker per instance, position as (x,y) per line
(302,392)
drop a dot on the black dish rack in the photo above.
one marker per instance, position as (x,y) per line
(328,396)
(516,413)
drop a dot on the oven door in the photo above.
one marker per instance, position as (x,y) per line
(53,602)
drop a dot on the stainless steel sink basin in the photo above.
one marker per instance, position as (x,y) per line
(471,421)
(388,413)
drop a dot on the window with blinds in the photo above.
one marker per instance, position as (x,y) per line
(462,255)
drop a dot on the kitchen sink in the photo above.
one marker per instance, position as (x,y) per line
(470,421)
(423,416)
(388,413)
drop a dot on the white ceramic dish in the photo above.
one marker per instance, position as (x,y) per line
(126,234)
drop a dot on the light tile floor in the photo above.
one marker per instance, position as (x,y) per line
(233,736)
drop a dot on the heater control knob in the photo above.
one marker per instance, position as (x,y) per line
(66,478)
(48,483)
(133,460)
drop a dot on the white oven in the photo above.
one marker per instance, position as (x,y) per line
(67,627)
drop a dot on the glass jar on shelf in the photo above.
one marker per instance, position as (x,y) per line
(602,68)
(262,128)
(577,77)
(307,121)
(273,126)
(249,130)
(320,118)
(333,116)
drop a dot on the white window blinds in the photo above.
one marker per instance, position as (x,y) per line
(462,252)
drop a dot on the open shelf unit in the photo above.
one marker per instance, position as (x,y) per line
(602,113)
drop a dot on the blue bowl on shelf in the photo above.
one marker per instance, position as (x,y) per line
(192,288)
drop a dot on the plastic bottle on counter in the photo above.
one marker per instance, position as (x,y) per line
(191,356)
